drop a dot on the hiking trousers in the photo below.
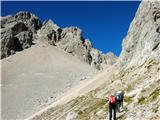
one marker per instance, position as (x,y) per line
(112,110)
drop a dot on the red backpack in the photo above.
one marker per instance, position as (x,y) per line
(112,99)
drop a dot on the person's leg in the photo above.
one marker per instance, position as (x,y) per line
(115,113)
(122,102)
(110,113)
(118,107)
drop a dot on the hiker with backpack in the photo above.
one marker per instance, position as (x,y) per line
(119,96)
(112,107)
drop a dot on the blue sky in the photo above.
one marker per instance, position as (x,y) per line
(104,23)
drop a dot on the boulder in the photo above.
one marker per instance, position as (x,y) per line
(71,115)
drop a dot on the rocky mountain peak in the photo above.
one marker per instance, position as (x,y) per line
(51,24)
(18,32)
(31,20)
(72,32)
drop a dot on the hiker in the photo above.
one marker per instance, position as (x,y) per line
(119,96)
(112,107)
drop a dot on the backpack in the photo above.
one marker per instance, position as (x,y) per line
(112,99)
(119,97)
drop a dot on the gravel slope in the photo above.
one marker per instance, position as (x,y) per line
(79,90)
(37,76)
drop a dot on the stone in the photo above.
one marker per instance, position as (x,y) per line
(25,39)
(71,115)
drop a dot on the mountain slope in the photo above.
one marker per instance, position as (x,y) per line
(138,76)
(35,77)
(41,61)
(142,97)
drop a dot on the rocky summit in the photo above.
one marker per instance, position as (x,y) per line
(19,32)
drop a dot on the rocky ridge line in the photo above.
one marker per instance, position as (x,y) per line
(18,32)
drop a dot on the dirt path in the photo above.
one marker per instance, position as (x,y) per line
(82,88)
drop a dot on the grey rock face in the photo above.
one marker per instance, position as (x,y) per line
(31,20)
(13,30)
(96,58)
(10,43)
(19,27)
(7,45)
(4,20)
(17,32)
(25,39)
(109,58)
(50,31)
(72,42)
(143,39)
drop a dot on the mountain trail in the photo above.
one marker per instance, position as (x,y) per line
(81,89)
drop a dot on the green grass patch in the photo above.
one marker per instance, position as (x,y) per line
(122,117)
(141,100)
(150,63)
(155,94)
(90,106)
(129,88)
(128,99)
(155,109)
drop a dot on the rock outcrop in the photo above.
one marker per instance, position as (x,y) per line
(73,42)
(109,58)
(50,31)
(143,39)
(18,32)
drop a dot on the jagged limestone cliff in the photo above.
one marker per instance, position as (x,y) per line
(143,38)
